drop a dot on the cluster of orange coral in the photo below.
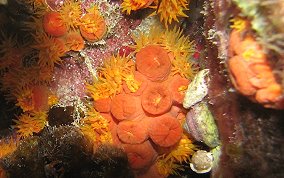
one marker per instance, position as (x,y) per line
(250,70)
(145,112)
(69,19)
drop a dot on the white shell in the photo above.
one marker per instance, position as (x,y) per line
(197,89)
(202,161)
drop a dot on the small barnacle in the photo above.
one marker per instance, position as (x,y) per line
(201,161)
(200,124)
(29,123)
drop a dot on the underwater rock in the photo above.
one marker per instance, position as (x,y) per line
(201,125)
(64,152)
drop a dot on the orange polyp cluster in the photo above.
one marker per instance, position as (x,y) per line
(141,120)
(251,73)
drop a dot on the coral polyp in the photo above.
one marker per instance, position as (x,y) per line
(115,70)
(50,50)
(170,10)
(171,163)
(25,99)
(70,13)
(7,146)
(179,47)
(93,26)
(133,5)
(8,50)
(173,40)
(96,128)
(183,67)
(29,123)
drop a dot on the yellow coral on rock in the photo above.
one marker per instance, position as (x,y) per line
(184,68)
(171,163)
(238,23)
(70,13)
(95,127)
(25,99)
(115,70)
(133,5)
(7,146)
(165,168)
(29,123)
(172,40)
(50,50)
(170,10)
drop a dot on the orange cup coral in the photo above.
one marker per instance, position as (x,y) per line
(250,71)
(165,131)
(140,155)
(93,27)
(154,62)
(53,24)
(74,41)
(157,99)
(132,132)
(125,107)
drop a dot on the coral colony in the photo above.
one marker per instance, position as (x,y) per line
(128,76)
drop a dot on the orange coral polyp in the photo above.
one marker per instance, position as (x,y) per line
(93,27)
(74,41)
(154,62)
(133,5)
(53,24)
